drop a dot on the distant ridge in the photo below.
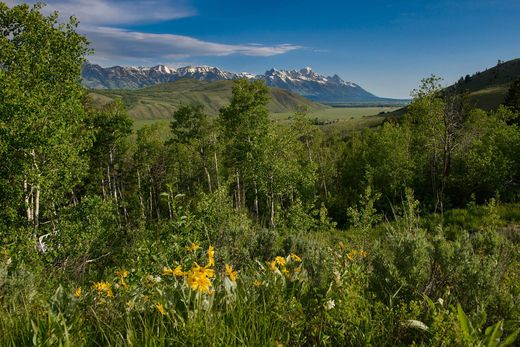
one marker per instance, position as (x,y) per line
(306,82)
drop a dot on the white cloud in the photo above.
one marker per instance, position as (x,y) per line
(115,43)
(103,22)
(117,12)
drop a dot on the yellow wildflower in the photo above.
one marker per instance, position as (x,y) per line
(230,273)
(174,272)
(167,271)
(160,308)
(280,260)
(104,287)
(351,255)
(199,278)
(284,270)
(193,247)
(122,273)
(211,256)
(77,292)
(258,283)
(272,265)
(203,271)
(178,271)
(295,258)
(363,253)
(199,282)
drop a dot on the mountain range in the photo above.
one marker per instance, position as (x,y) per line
(306,82)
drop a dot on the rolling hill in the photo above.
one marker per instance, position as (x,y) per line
(159,101)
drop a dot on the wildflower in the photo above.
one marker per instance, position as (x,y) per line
(284,270)
(351,255)
(160,308)
(362,253)
(199,278)
(258,283)
(272,265)
(174,272)
(199,282)
(329,305)
(104,287)
(167,271)
(203,271)
(230,273)
(77,292)
(296,258)
(280,261)
(122,273)
(211,256)
(178,271)
(193,247)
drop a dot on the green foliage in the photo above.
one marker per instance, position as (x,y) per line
(44,140)
(513,97)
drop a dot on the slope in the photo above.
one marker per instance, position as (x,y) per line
(159,101)
(488,89)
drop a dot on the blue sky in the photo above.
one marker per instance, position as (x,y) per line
(385,46)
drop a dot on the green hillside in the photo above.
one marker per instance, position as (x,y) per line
(488,89)
(159,101)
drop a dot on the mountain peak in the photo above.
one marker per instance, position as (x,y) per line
(306,70)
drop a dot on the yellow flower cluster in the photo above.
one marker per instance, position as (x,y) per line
(231,274)
(352,255)
(279,264)
(198,277)
(103,288)
(77,292)
(174,272)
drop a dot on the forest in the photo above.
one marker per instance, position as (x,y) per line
(234,230)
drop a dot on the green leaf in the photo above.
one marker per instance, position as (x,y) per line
(510,339)
(494,334)
(464,322)
(415,324)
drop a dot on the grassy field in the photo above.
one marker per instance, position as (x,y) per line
(342,119)
(336,113)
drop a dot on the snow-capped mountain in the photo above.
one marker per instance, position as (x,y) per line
(305,82)
(117,77)
(317,87)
